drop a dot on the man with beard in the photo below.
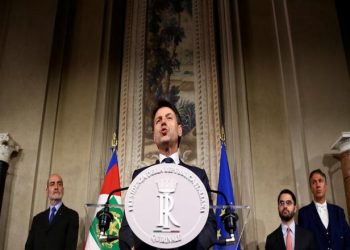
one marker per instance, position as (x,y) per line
(326,221)
(57,227)
(288,235)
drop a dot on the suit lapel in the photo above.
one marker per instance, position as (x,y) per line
(331,219)
(46,217)
(182,163)
(316,217)
(298,238)
(279,239)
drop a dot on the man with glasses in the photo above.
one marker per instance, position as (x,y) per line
(288,235)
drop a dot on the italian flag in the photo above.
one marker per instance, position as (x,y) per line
(111,182)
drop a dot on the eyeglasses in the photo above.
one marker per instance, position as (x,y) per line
(288,203)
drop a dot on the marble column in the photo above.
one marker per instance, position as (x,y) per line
(343,146)
(8,149)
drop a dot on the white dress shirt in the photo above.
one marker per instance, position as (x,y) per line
(292,230)
(323,213)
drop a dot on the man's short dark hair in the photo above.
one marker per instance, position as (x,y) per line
(162,103)
(287,191)
(317,171)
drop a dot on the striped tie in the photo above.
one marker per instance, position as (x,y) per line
(52,215)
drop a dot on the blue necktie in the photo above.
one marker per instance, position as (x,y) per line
(52,215)
(168,160)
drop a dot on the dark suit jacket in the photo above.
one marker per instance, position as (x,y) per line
(338,233)
(203,241)
(304,240)
(61,234)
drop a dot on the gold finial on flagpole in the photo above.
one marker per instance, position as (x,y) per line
(114,141)
(222,135)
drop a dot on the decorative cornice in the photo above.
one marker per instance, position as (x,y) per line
(206,85)
(215,90)
(131,99)
(124,92)
(138,102)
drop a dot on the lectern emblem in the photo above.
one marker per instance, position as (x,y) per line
(166,187)
(166,206)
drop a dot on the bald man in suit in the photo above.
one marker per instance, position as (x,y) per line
(57,227)
(288,235)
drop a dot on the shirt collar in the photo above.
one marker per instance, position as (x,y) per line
(174,156)
(285,226)
(321,205)
(57,206)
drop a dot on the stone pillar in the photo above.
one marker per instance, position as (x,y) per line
(8,149)
(343,146)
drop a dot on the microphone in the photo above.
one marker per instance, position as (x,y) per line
(229,218)
(105,217)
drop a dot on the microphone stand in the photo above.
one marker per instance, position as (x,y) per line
(105,217)
(229,218)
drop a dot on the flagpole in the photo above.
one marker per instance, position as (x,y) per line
(222,135)
(226,217)
(114,143)
(99,231)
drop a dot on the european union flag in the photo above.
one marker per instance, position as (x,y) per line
(225,186)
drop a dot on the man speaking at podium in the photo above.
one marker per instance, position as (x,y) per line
(167,132)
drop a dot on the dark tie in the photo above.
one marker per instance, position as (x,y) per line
(52,215)
(168,160)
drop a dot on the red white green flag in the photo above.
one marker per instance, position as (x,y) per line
(110,183)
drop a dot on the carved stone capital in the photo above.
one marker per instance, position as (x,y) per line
(8,147)
(343,143)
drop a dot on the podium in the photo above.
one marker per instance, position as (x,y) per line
(167,206)
(243,213)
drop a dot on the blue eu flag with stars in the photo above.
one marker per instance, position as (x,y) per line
(225,186)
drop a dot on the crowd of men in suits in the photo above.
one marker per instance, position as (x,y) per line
(57,227)
(322,225)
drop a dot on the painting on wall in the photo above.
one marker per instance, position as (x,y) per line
(169,71)
(169,53)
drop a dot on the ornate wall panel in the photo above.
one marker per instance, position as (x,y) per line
(133,148)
